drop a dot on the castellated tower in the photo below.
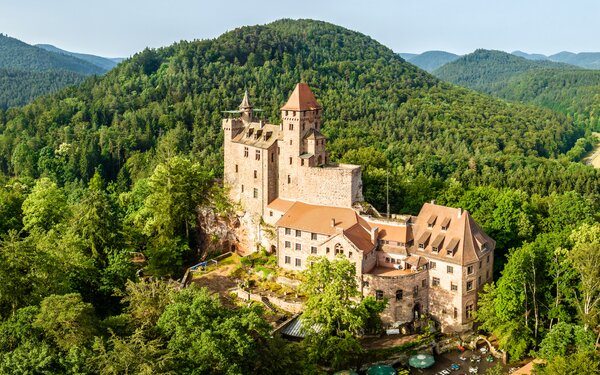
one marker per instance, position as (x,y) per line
(264,162)
(301,143)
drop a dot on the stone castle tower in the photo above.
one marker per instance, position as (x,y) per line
(288,161)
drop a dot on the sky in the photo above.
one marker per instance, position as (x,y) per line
(120,28)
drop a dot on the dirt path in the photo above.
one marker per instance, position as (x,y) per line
(218,281)
(594,158)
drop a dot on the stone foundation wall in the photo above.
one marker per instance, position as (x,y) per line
(401,310)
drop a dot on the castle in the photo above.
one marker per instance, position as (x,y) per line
(435,262)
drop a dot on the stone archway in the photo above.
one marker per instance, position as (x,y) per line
(416,311)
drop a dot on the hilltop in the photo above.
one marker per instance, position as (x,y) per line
(104,63)
(561,87)
(16,54)
(27,72)
(430,60)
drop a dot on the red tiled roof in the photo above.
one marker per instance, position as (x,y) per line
(302,99)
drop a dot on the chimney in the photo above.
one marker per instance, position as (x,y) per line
(374,232)
(459,212)
(333,222)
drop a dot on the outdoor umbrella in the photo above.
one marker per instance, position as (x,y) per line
(421,361)
(381,370)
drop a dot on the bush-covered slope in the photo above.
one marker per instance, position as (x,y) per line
(379,111)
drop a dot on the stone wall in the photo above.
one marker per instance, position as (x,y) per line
(289,306)
(401,310)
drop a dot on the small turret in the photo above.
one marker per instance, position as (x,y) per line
(246,108)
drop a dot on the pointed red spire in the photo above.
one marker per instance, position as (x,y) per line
(302,99)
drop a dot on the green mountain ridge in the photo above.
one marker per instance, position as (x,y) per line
(102,62)
(375,104)
(19,55)
(558,86)
(430,60)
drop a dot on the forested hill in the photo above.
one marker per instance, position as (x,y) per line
(430,60)
(484,70)
(561,87)
(19,55)
(27,72)
(380,112)
(102,62)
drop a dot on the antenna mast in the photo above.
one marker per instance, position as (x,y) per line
(387,192)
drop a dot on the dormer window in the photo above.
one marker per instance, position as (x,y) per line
(431,221)
(445,224)
(421,246)
(435,249)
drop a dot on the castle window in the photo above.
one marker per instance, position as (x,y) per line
(242,188)
(469,285)
(255,193)
(257,156)
(480,263)
(424,283)
(399,295)
(455,313)
(298,233)
(288,245)
(379,295)
(313,236)
(469,270)
(286,113)
(415,290)
(236,168)
(302,126)
(270,213)
(288,231)
(350,254)
(387,260)
(294,114)
(245,152)
(339,249)
(432,265)
(255,174)
(327,250)
(272,156)
(435,249)
(313,250)
(291,160)
(453,287)
(298,262)
(298,247)
(421,246)
(291,141)
(435,281)
(302,162)
(487,274)
(288,260)
(488,258)
(289,179)
(450,269)
(291,126)
(469,311)
(479,281)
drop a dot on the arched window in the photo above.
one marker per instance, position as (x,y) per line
(338,249)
